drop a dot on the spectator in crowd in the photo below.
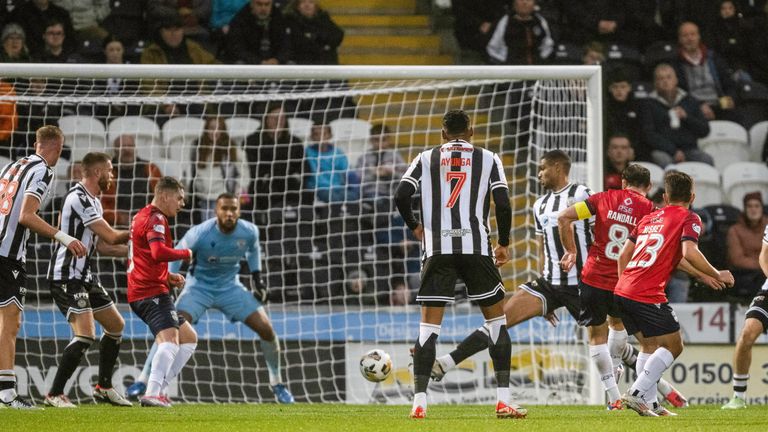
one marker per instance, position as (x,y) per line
(381,167)
(126,21)
(194,16)
(14,45)
(327,166)
(314,37)
(671,122)
(521,37)
(732,39)
(704,75)
(619,155)
(54,49)
(87,16)
(257,35)
(222,12)
(606,21)
(35,15)
(622,109)
(276,160)
(9,120)
(594,54)
(134,184)
(217,167)
(173,47)
(472,28)
(744,244)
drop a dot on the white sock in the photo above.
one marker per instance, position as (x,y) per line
(617,340)
(502,395)
(426,330)
(446,362)
(144,375)
(271,351)
(601,357)
(182,357)
(161,366)
(420,400)
(657,363)
(740,385)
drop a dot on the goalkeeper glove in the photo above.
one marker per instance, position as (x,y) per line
(258,287)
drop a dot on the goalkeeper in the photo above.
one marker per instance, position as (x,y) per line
(218,246)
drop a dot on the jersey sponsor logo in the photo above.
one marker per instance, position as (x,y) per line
(456,232)
(241,244)
(41,184)
(696,228)
(91,211)
(159,228)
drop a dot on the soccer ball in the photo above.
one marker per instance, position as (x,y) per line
(375,365)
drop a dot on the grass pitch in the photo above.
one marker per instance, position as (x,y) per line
(346,418)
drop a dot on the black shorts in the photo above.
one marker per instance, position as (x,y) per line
(13,282)
(596,305)
(441,272)
(758,309)
(650,319)
(76,296)
(158,313)
(554,297)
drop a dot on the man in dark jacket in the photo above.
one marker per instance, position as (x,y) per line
(34,16)
(521,37)
(257,35)
(671,122)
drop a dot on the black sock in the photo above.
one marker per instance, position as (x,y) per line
(500,353)
(71,357)
(109,348)
(471,345)
(423,359)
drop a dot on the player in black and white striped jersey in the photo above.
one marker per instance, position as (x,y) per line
(553,289)
(456,181)
(23,186)
(77,292)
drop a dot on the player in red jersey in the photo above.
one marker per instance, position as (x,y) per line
(653,250)
(151,248)
(616,213)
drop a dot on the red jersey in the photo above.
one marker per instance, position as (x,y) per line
(147,277)
(658,249)
(616,215)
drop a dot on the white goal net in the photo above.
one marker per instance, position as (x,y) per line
(341,267)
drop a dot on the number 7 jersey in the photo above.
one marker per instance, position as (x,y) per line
(658,240)
(616,215)
(456,179)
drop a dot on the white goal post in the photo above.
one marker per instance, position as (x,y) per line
(331,274)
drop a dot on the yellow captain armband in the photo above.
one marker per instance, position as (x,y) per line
(582,210)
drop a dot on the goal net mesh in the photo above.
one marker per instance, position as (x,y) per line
(341,267)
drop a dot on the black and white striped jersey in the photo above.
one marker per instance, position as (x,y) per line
(456,179)
(545,212)
(80,210)
(32,176)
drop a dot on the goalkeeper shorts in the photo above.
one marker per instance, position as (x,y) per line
(235,302)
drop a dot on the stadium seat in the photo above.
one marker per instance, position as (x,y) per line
(566,53)
(657,175)
(240,128)
(727,143)
(757,134)
(83,134)
(753,103)
(642,90)
(300,127)
(148,143)
(179,135)
(744,177)
(659,52)
(707,180)
(351,135)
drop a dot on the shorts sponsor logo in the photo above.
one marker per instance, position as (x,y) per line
(174,315)
(456,232)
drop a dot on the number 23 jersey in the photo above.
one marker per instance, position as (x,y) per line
(658,241)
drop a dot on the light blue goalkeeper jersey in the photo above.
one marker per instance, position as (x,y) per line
(217,256)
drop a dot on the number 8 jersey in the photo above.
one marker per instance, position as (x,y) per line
(658,240)
(616,215)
